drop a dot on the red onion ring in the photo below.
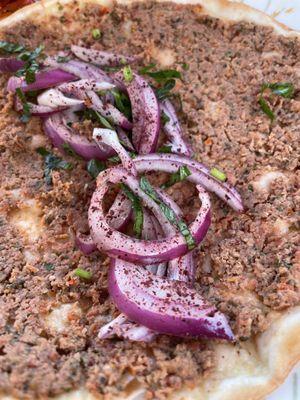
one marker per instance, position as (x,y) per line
(85,243)
(145,113)
(164,306)
(35,109)
(61,134)
(116,244)
(102,58)
(200,175)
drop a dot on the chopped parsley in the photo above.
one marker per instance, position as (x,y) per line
(48,266)
(62,59)
(168,212)
(31,64)
(83,273)
(137,210)
(52,162)
(127,73)
(70,151)
(165,149)
(116,159)
(26,106)
(10,48)
(216,173)
(182,173)
(164,118)
(164,91)
(122,102)
(94,167)
(283,89)
(96,33)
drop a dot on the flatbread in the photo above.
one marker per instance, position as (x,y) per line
(259,366)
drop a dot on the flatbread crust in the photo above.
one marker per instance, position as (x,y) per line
(253,369)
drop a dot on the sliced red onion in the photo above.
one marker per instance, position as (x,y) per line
(108,111)
(107,330)
(199,175)
(54,98)
(110,138)
(43,80)
(182,268)
(81,69)
(164,306)
(119,213)
(173,130)
(145,113)
(124,138)
(10,64)
(85,84)
(117,244)
(102,58)
(85,243)
(61,134)
(37,110)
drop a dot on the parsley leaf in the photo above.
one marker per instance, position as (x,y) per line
(137,209)
(182,173)
(164,118)
(164,91)
(94,167)
(283,89)
(96,33)
(26,106)
(168,212)
(122,102)
(31,64)
(52,162)
(165,149)
(265,108)
(10,48)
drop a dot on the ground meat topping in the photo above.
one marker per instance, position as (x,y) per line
(247,265)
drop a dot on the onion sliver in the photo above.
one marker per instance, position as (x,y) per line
(117,244)
(200,175)
(164,306)
(43,80)
(173,130)
(60,134)
(145,113)
(102,58)
(10,64)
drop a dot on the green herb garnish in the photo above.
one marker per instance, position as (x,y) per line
(103,120)
(164,118)
(31,64)
(160,76)
(116,159)
(94,167)
(137,209)
(283,89)
(70,151)
(10,48)
(48,266)
(122,102)
(146,69)
(164,91)
(128,75)
(265,108)
(96,33)
(182,173)
(216,173)
(62,59)
(26,106)
(52,162)
(168,212)
(165,149)
(185,66)
(83,273)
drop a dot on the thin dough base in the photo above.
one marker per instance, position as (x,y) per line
(254,369)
